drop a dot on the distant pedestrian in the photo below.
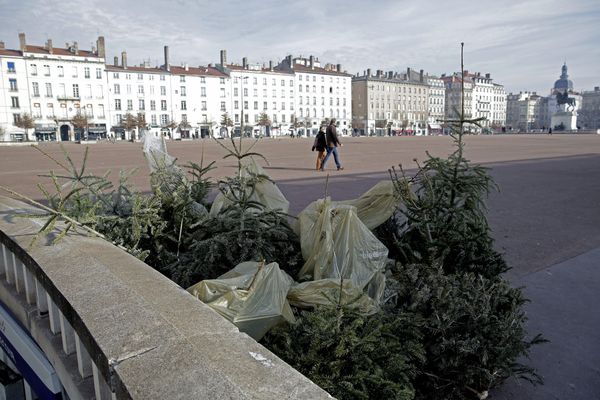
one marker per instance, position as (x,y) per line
(332,144)
(320,144)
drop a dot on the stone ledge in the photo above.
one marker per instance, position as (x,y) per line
(147,335)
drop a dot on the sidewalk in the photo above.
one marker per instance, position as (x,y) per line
(564,307)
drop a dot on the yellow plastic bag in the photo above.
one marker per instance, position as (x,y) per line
(251,295)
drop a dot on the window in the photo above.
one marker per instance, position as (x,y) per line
(48,90)
(183,117)
(274,93)
(151,89)
(274,105)
(140,89)
(235,92)
(245,92)
(140,77)
(256,105)
(14,102)
(61,71)
(282,82)
(245,105)
(98,73)
(255,92)
(36,89)
(153,119)
(33,70)
(236,105)
(255,80)
(88,91)
(282,92)
(117,104)
(299,77)
(163,90)
(222,104)
(50,110)
(183,105)
(164,119)
(127,76)
(100,110)
(264,81)
(283,118)
(153,105)
(117,88)
(163,105)
(46,70)
(300,88)
(141,104)
(62,91)
(202,79)
(246,118)
(11,66)
(99,92)
(16,118)
(291,83)
(237,118)
(203,92)
(273,82)
(86,72)
(128,88)
(222,81)
(203,105)
(283,106)
(264,105)
(182,92)
(182,78)
(150,77)
(129,105)
(75,90)
(74,72)
(222,92)
(13,85)
(300,100)
(162,77)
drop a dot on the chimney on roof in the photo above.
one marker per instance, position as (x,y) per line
(270,65)
(223,57)
(186,67)
(311,62)
(1,45)
(488,75)
(408,73)
(596,88)
(49,46)
(210,66)
(116,61)
(76,48)
(22,42)
(290,61)
(339,67)
(124,59)
(421,76)
(245,63)
(101,47)
(167,66)
(369,72)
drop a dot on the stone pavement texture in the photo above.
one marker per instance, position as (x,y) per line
(545,218)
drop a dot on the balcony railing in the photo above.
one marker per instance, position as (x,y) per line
(112,328)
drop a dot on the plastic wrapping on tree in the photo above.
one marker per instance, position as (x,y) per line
(336,244)
(167,177)
(327,291)
(373,207)
(251,295)
(265,192)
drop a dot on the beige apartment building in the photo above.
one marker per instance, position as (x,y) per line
(386,103)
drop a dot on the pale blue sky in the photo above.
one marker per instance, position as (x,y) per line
(521,43)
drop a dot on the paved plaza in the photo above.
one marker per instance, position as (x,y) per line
(545,218)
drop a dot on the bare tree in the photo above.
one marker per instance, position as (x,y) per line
(129,123)
(141,123)
(27,122)
(81,121)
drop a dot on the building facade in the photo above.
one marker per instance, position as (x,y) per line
(590,109)
(525,112)
(388,103)
(436,104)
(53,85)
(483,99)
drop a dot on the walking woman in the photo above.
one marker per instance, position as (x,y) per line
(320,144)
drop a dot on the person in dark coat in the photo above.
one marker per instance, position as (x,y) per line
(332,144)
(320,145)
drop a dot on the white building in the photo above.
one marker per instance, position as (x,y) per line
(483,99)
(53,85)
(436,103)
(182,102)
(524,111)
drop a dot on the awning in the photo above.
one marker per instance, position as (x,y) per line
(435,126)
(96,129)
(45,130)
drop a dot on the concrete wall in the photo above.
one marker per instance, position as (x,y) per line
(144,337)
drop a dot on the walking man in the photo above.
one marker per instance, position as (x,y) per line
(332,144)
